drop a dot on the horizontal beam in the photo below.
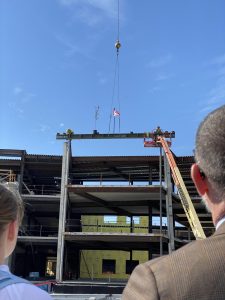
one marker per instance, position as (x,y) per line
(96,135)
(103,203)
(38,239)
(12,152)
(115,189)
(114,237)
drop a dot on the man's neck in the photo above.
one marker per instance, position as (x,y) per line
(221,221)
(218,212)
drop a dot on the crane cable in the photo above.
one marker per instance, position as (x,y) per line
(116,77)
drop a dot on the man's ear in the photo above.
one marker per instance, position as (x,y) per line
(199,180)
(13,230)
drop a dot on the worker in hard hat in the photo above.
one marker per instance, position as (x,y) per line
(69,132)
(158,131)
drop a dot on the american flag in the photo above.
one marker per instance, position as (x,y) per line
(116,113)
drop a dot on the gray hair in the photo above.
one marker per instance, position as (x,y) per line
(210,147)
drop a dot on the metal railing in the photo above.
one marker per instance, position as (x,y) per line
(77,225)
(7,175)
(35,189)
(38,230)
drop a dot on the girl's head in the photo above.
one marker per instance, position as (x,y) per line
(11,215)
(11,207)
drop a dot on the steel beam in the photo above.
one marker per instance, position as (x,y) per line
(104,203)
(131,135)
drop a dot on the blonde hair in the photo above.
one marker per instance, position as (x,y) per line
(11,207)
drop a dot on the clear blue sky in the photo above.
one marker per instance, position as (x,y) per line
(57,62)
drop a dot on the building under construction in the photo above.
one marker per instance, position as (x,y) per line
(90,220)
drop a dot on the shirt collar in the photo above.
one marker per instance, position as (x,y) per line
(220,222)
(4,268)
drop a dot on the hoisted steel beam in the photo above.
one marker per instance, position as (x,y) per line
(96,135)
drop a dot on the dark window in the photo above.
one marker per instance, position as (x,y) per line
(130,265)
(109,266)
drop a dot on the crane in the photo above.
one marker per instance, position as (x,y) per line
(160,141)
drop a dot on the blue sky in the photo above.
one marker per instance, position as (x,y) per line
(57,61)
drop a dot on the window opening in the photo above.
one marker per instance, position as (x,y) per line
(108,266)
(130,265)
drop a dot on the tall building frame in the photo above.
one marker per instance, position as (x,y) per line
(55,193)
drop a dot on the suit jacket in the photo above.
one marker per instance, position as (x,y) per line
(195,271)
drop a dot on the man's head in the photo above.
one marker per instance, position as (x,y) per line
(11,214)
(209,171)
(210,147)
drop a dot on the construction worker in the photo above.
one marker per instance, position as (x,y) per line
(157,132)
(69,132)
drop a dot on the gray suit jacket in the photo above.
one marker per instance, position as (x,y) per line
(195,271)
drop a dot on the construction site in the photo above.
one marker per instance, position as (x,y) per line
(89,221)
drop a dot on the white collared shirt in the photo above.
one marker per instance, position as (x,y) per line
(220,222)
(22,291)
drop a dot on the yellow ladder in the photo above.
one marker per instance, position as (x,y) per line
(183,193)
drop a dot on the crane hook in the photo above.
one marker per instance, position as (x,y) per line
(117,45)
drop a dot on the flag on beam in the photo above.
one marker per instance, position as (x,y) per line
(116,113)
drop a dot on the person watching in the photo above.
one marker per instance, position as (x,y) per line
(197,270)
(11,215)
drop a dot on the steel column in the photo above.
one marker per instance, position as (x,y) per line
(150,176)
(150,228)
(62,210)
(21,172)
(169,207)
(160,200)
